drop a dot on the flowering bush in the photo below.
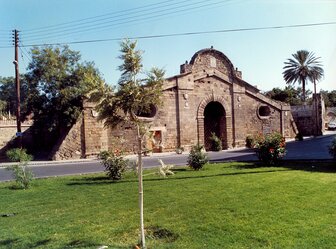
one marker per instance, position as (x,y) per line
(115,165)
(270,148)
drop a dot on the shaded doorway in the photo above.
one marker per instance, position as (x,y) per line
(214,121)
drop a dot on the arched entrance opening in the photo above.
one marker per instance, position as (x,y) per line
(214,121)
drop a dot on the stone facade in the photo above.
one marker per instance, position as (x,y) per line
(8,130)
(208,95)
(309,119)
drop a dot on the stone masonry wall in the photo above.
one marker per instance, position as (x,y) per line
(95,135)
(8,130)
(184,119)
(310,121)
(71,147)
(303,119)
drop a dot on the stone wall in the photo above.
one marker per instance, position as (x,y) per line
(71,146)
(309,119)
(187,116)
(303,116)
(8,130)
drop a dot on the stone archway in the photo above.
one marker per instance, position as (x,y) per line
(214,122)
(224,131)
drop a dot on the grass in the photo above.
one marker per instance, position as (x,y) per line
(229,205)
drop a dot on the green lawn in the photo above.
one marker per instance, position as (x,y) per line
(230,205)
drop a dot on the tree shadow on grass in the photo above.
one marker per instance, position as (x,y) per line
(91,181)
(81,244)
(8,242)
(325,166)
(40,243)
(98,180)
(15,243)
(90,244)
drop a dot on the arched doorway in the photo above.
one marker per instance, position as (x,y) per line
(214,121)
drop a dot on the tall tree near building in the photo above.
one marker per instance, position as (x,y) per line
(57,84)
(8,94)
(133,97)
(289,94)
(302,67)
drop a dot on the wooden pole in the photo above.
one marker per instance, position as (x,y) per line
(17,84)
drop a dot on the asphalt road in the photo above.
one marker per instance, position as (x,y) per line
(309,149)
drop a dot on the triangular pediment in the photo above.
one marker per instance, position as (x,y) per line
(212,73)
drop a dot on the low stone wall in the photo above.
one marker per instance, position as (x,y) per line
(309,119)
(8,130)
(303,116)
(70,146)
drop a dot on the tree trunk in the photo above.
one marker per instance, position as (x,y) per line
(316,111)
(142,228)
(304,91)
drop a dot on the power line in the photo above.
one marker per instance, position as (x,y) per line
(188,34)
(24,62)
(94,17)
(126,20)
(85,20)
(24,51)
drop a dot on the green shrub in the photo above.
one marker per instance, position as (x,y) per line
(18,155)
(249,141)
(332,148)
(270,148)
(216,143)
(23,176)
(197,158)
(114,163)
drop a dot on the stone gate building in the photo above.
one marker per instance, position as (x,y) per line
(209,95)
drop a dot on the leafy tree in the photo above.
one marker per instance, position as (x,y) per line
(3,105)
(289,95)
(329,98)
(305,66)
(57,84)
(134,96)
(8,94)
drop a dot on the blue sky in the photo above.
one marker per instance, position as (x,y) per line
(260,55)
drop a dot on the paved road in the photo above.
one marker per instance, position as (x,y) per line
(309,149)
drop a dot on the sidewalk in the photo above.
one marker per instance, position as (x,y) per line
(157,155)
(89,160)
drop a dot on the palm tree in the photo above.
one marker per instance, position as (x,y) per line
(305,66)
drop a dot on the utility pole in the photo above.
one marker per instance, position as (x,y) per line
(17,83)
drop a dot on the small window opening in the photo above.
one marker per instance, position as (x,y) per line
(149,113)
(264,111)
